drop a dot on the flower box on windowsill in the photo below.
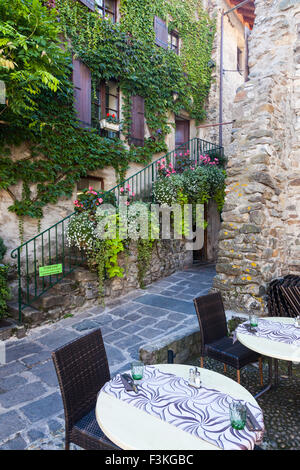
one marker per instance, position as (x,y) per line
(109,126)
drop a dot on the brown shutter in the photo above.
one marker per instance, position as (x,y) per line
(89,3)
(82,92)
(138,121)
(161,32)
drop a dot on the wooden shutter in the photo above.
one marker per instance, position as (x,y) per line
(161,32)
(89,3)
(138,121)
(82,92)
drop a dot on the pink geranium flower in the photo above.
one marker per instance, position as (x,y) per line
(122,190)
(100,200)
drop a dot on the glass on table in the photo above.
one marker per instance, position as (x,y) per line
(137,370)
(238,414)
(253,319)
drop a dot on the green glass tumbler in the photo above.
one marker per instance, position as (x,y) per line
(137,370)
(238,415)
(253,321)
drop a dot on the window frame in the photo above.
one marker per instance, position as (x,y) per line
(90,178)
(174,34)
(102,103)
(102,10)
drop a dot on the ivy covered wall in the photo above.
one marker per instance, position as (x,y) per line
(44,150)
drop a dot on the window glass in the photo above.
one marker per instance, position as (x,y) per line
(174,42)
(112,99)
(106,8)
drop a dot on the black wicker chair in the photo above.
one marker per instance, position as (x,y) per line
(82,369)
(215,343)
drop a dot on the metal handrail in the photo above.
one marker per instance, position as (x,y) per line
(50,244)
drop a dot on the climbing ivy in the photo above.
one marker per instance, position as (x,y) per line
(60,152)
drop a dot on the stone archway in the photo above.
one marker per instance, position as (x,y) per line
(260,233)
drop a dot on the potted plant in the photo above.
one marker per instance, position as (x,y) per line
(110,123)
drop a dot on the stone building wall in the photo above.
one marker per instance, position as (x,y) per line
(53,213)
(260,234)
(234,36)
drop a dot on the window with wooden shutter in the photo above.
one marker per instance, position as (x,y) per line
(137,136)
(82,92)
(161,32)
(88,3)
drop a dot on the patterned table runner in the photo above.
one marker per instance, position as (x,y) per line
(273,330)
(203,412)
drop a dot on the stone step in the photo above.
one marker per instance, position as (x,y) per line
(30,315)
(10,327)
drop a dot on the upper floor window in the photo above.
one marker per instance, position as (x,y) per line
(107,100)
(107,8)
(174,41)
(107,103)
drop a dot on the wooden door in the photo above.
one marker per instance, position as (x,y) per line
(182,134)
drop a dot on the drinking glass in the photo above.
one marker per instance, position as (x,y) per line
(137,370)
(238,414)
(253,320)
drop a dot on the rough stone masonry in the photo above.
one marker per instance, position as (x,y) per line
(260,234)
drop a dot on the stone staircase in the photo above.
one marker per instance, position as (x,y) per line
(60,300)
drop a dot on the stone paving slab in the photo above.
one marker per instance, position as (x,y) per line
(32,410)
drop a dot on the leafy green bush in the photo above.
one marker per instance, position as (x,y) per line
(197,184)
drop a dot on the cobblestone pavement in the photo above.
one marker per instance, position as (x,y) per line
(31,410)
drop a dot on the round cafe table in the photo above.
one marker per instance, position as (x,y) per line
(133,429)
(273,349)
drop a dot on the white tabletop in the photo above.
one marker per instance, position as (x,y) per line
(267,347)
(134,429)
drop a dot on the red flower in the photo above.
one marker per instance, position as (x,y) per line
(107,115)
(113,115)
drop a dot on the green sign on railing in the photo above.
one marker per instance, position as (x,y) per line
(50,270)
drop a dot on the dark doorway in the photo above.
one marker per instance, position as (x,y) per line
(182,134)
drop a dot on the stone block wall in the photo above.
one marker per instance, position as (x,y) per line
(260,233)
(168,256)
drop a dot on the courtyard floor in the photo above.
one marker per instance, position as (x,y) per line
(31,411)
(31,408)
